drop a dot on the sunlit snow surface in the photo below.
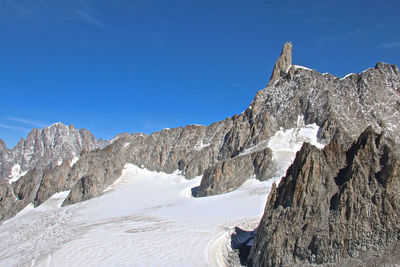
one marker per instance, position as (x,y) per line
(16,173)
(144,219)
(285,143)
(73,161)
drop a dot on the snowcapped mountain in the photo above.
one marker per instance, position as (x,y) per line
(342,108)
(45,147)
(298,105)
(44,150)
(142,212)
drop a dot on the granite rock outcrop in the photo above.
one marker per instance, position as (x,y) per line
(337,206)
(283,63)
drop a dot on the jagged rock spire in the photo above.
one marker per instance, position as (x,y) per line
(2,144)
(283,63)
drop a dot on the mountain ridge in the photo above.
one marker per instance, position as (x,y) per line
(317,98)
(48,146)
(334,206)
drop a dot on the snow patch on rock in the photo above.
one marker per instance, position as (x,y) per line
(200,145)
(348,75)
(285,143)
(301,67)
(73,161)
(16,173)
(55,201)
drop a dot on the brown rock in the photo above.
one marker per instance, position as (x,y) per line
(229,174)
(283,63)
(334,205)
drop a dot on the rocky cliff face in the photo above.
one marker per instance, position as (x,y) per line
(3,152)
(283,64)
(334,205)
(47,147)
(34,162)
(342,108)
(229,174)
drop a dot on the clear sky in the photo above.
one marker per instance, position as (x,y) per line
(114,66)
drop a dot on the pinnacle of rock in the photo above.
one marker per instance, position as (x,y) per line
(2,145)
(283,63)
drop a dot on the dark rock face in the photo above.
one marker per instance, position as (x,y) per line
(101,169)
(52,181)
(3,153)
(342,108)
(229,174)
(333,205)
(18,195)
(42,161)
(47,147)
(241,243)
(9,207)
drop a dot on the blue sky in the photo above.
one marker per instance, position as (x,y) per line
(140,66)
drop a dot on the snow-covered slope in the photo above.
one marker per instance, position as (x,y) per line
(144,218)
(285,143)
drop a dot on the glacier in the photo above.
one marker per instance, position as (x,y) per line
(144,218)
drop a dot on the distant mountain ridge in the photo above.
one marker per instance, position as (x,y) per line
(46,147)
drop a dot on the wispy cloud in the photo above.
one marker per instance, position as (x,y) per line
(27,121)
(342,36)
(14,128)
(379,26)
(392,44)
(72,10)
(235,84)
(90,19)
(358,32)
(169,87)
(327,4)
(322,13)
(317,19)
(21,9)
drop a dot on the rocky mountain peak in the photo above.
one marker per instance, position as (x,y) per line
(2,145)
(334,205)
(48,146)
(226,153)
(283,63)
(386,66)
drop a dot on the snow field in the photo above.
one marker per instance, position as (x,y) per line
(144,219)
